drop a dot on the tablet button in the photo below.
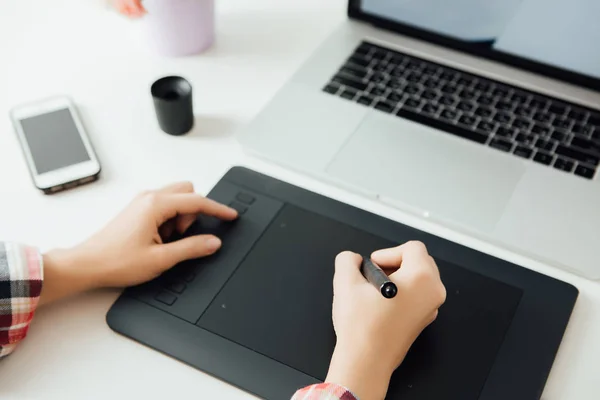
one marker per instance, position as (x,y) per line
(166,298)
(239,207)
(177,287)
(245,198)
(189,276)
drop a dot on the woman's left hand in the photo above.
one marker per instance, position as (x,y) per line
(132,248)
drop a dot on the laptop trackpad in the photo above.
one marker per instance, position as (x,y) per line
(425,170)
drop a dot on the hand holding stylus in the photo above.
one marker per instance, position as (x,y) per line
(374,333)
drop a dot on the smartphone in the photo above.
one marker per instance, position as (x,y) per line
(57,149)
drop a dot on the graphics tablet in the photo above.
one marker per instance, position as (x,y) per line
(258,313)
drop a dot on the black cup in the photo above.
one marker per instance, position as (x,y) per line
(173,104)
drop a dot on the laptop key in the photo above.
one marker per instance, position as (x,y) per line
(469,94)
(524,111)
(450,128)
(500,91)
(430,94)
(558,135)
(483,86)
(356,60)
(484,112)
(430,83)
(486,126)
(542,117)
(541,130)
(579,155)
(348,94)
(385,106)
(431,109)
(352,83)
(522,124)
(466,106)
(585,171)
(378,91)
(395,97)
(539,103)
(503,118)
(594,119)
(354,72)
(365,100)
(485,100)
(332,89)
(585,130)
(558,108)
(448,114)
(412,89)
(519,97)
(364,48)
(396,84)
(448,100)
(523,151)
(564,165)
(412,102)
(468,120)
(543,158)
(449,88)
(506,132)
(501,144)
(545,144)
(577,114)
(563,123)
(524,139)
(505,106)
(586,144)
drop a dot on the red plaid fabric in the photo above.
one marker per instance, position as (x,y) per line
(324,391)
(21,276)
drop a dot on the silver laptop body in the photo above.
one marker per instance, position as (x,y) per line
(520,204)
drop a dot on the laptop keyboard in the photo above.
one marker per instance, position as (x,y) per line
(528,125)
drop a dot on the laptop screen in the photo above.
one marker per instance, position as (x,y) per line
(555,37)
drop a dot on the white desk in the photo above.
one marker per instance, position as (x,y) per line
(80,48)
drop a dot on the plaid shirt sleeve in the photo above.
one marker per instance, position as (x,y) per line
(324,391)
(21,276)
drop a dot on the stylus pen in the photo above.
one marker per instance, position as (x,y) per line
(378,278)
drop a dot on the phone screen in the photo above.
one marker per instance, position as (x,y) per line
(54,141)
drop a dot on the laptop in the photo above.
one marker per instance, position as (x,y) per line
(483,116)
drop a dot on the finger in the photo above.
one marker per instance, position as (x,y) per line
(167,229)
(190,203)
(347,270)
(173,253)
(178,187)
(393,257)
(139,7)
(183,222)
(416,262)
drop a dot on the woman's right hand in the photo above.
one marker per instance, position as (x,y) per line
(375,333)
(130,8)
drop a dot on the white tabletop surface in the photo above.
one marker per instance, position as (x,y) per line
(82,49)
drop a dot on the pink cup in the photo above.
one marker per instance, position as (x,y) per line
(180,27)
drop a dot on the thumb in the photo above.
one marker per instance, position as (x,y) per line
(347,270)
(188,248)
